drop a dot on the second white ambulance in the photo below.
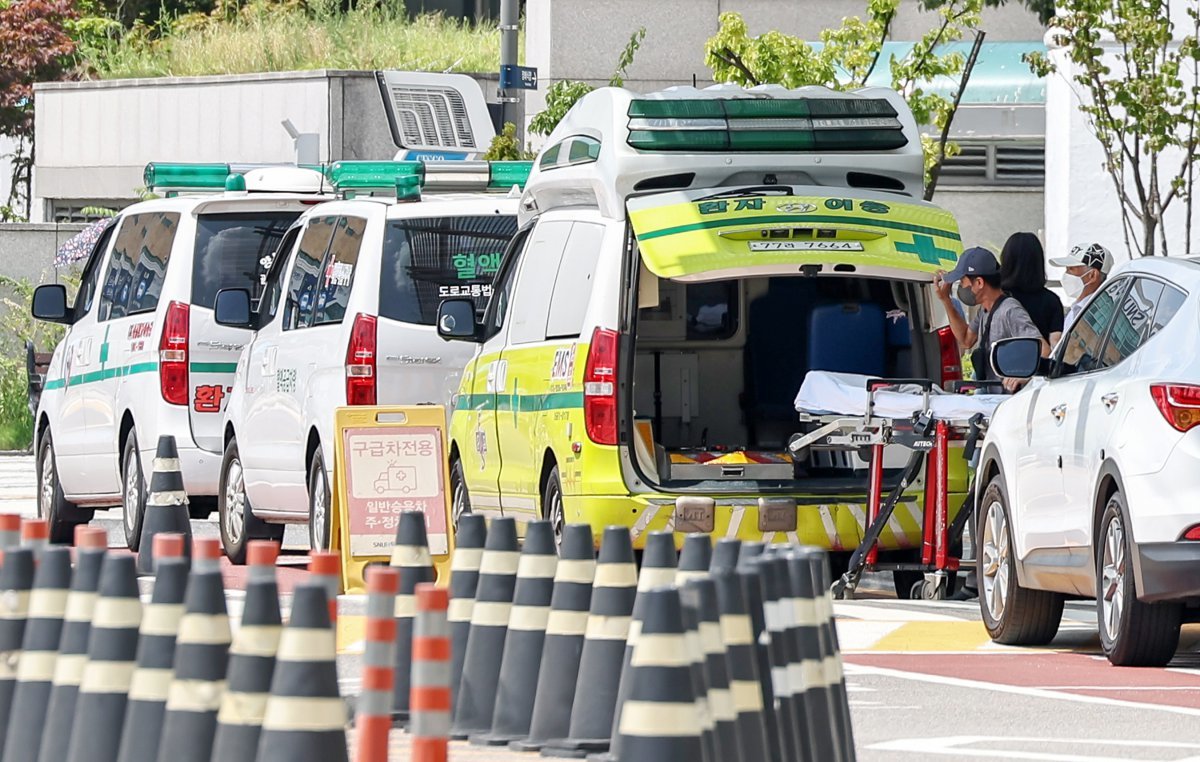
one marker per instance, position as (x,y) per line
(347,318)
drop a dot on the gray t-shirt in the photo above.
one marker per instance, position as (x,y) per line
(1011,322)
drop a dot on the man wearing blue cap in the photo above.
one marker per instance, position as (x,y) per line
(1000,317)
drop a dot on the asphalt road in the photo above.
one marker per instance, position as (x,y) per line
(925,683)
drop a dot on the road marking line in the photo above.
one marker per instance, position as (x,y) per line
(860,669)
(954,746)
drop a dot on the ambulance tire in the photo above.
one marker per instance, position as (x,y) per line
(460,499)
(552,504)
(252,527)
(61,514)
(132,504)
(318,503)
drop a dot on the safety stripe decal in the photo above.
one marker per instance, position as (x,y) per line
(100,375)
(770,219)
(522,403)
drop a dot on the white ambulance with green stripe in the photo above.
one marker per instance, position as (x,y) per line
(347,318)
(142,355)
(685,259)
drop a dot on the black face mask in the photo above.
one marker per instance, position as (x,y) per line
(966,296)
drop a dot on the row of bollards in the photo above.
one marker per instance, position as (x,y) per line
(90,673)
(716,655)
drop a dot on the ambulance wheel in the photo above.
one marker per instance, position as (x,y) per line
(318,503)
(238,523)
(460,500)
(133,492)
(552,504)
(61,514)
(1012,614)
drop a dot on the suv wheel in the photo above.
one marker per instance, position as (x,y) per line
(61,515)
(552,504)
(239,525)
(1012,614)
(460,500)
(133,492)
(1132,633)
(318,503)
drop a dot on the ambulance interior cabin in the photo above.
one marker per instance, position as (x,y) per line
(718,364)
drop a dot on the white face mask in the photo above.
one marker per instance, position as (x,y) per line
(1072,285)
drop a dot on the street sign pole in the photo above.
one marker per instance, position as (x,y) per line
(510,19)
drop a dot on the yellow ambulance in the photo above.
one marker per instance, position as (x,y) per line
(685,258)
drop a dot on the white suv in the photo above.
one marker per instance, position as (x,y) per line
(142,355)
(347,318)
(1091,473)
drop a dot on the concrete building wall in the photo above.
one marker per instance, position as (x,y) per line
(581,39)
(988,216)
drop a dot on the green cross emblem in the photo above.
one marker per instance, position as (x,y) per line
(926,250)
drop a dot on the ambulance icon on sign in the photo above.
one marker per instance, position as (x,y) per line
(402,479)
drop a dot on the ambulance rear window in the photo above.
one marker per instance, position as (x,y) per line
(230,251)
(428,260)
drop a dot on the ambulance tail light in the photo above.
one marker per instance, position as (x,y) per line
(360,362)
(1193,533)
(1178,403)
(600,388)
(951,361)
(173,355)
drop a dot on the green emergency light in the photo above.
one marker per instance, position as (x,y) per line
(408,188)
(414,176)
(198,176)
(503,175)
(765,124)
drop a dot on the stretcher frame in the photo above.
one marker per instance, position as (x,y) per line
(929,440)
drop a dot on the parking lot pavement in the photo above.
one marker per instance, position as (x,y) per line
(18,491)
(926,682)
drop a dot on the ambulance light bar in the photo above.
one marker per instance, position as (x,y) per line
(203,177)
(439,176)
(765,124)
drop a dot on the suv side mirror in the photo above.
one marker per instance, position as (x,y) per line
(1017,358)
(50,304)
(456,320)
(232,308)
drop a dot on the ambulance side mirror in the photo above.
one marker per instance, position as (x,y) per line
(1017,358)
(456,320)
(232,308)
(50,304)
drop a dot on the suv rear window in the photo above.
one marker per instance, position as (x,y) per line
(230,249)
(427,260)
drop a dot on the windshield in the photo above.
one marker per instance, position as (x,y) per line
(427,260)
(230,251)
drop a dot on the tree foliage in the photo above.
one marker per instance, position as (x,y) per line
(506,147)
(563,94)
(849,55)
(1140,90)
(34,47)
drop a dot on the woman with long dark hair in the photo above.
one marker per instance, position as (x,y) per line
(1023,276)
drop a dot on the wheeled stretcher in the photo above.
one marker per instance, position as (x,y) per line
(851,414)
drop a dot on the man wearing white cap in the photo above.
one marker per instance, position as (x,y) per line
(1088,265)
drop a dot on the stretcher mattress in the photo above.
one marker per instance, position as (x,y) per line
(826,393)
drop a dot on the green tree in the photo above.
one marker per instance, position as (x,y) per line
(563,94)
(850,54)
(34,47)
(506,147)
(1139,88)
